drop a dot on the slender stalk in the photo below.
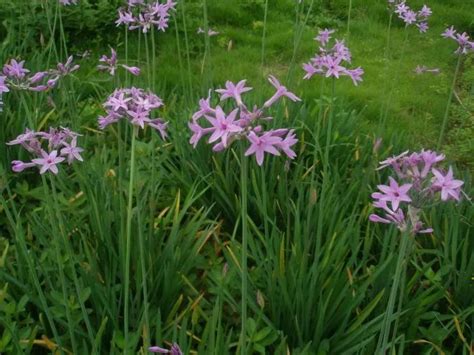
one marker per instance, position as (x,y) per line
(386,61)
(128,238)
(148,62)
(297,41)
(186,42)
(264,33)
(243,212)
(349,19)
(387,321)
(450,99)
(141,245)
(153,60)
(330,124)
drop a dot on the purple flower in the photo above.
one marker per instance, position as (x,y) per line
(135,105)
(465,46)
(393,193)
(233,91)
(18,166)
(175,350)
(422,26)
(449,33)
(243,124)
(261,145)
(425,12)
(15,69)
(333,67)
(110,62)
(145,16)
(204,108)
(63,140)
(324,36)
(449,187)
(329,61)
(286,144)
(423,181)
(134,70)
(355,75)
(72,151)
(3,86)
(223,126)
(281,91)
(48,162)
(68,2)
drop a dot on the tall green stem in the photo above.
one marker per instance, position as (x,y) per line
(243,214)
(387,321)
(349,19)
(330,123)
(128,238)
(264,33)
(450,99)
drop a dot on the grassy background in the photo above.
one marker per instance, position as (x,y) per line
(320,274)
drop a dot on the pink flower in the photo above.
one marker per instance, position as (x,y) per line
(324,36)
(18,166)
(223,126)
(264,144)
(286,144)
(449,187)
(281,91)
(233,91)
(393,193)
(3,86)
(48,162)
(15,69)
(72,151)
(449,33)
(134,70)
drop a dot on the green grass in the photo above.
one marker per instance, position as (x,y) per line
(319,274)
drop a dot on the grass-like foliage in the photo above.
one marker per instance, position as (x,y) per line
(119,236)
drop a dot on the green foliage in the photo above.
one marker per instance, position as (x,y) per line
(320,274)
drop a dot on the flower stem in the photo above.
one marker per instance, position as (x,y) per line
(450,99)
(349,12)
(244,187)
(264,33)
(329,127)
(128,238)
(387,321)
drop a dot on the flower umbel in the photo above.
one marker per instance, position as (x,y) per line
(418,185)
(50,148)
(243,124)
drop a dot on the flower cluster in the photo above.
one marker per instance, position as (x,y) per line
(329,61)
(61,146)
(421,69)
(68,2)
(421,183)
(175,350)
(135,105)
(242,123)
(16,76)
(110,64)
(410,17)
(139,15)
(465,45)
(210,32)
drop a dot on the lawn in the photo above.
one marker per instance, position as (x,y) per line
(263,236)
